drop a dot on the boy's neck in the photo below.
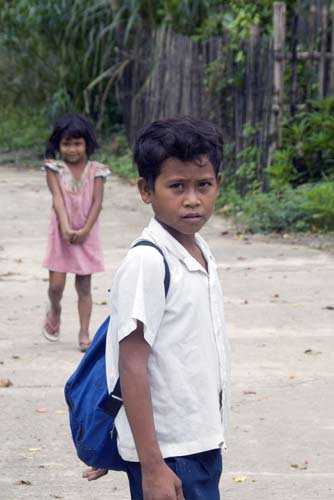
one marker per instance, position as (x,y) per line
(188,241)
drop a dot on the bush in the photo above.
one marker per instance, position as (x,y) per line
(319,205)
(22,128)
(307,208)
(275,211)
(308,147)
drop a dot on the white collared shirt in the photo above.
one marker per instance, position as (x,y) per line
(189,362)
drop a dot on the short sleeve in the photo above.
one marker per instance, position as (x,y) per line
(101,170)
(138,293)
(53,165)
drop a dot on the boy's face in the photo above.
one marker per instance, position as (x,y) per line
(183,197)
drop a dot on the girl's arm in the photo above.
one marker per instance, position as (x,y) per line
(95,209)
(58,204)
(159,481)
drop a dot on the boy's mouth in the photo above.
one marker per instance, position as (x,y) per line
(192,216)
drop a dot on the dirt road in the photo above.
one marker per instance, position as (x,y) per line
(280,315)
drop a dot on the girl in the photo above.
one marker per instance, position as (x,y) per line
(74,246)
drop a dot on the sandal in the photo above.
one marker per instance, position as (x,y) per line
(50,331)
(84,345)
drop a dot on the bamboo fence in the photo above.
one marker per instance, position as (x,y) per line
(169,75)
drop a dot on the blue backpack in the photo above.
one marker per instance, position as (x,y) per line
(92,410)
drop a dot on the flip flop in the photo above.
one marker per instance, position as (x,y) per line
(49,331)
(84,345)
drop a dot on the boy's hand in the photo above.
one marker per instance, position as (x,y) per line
(94,473)
(161,484)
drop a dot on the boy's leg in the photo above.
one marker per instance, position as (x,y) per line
(56,287)
(83,288)
(199,473)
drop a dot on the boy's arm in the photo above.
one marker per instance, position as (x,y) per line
(159,481)
(58,204)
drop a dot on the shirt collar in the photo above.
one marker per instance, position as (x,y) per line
(166,241)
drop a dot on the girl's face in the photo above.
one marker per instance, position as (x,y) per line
(73,150)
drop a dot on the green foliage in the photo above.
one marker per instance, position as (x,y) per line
(275,211)
(307,208)
(319,204)
(121,165)
(56,50)
(247,178)
(23,129)
(307,154)
(116,153)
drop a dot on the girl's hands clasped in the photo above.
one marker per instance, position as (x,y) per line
(79,236)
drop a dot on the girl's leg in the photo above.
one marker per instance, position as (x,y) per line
(56,287)
(83,288)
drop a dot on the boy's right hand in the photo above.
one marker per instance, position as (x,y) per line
(161,483)
(94,473)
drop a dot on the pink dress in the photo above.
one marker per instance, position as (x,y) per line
(86,257)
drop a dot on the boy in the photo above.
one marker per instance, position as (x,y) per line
(171,352)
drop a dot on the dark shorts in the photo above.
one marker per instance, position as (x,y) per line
(199,474)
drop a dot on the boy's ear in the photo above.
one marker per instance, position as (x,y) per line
(219,179)
(144,190)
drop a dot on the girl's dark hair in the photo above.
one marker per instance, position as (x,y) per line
(71,125)
(184,138)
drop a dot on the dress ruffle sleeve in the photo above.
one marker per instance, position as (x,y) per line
(102,170)
(54,165)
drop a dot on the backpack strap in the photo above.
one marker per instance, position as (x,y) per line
(115,398)
(149,243)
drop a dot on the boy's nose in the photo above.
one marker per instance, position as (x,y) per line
(191,199)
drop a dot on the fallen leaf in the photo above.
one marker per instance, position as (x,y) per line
(299,466)
(41,410)
(329,308)
(24,481)
(61,412)
(291,376)
(311,352)
(239,479)
(5,382)
(56,496)
(249,392)
(33,450)
(15,356)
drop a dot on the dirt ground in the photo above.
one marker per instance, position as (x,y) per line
(279,301)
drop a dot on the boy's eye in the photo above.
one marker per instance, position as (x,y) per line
(178,186)
(205,184)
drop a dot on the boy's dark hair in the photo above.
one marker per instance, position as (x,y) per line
(71,125)
(185,138)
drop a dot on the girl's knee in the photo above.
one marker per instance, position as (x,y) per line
(83,285)
(56,289)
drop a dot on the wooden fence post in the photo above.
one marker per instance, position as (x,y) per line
(322,62)
(279,34)
(331,65)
